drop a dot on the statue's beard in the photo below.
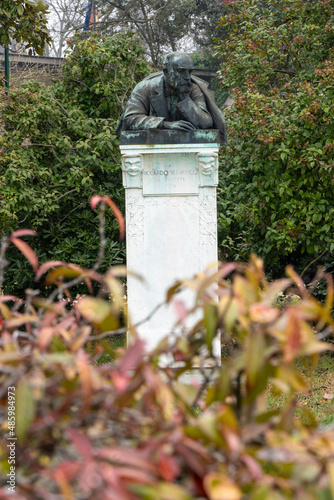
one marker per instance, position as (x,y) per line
(175,86)
(185,87)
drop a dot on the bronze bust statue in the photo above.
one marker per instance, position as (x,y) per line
(174,100)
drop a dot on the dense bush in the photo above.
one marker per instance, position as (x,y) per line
(130,430)
(58,148)
(277,191)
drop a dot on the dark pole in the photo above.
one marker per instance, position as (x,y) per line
(6,68)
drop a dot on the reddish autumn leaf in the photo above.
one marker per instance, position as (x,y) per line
(81,442)
(253,466)
(192,460)
(63,484)
(226,269)
(115,486)
(291,273)
(6,298)
(91,476)
(23,232)
(45,335)
(126,456)
(132,357)
(134,475)
(27,252)
(84,369)
(22,319)
(180,309)
(95,200)
(294,336)
(48,265)
(89,285)
(168,466)
(69,469)
(120,381)
(232,439)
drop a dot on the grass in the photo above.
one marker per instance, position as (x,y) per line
(320,380)
(109,345)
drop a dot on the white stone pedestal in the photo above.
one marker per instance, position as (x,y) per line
(171,226)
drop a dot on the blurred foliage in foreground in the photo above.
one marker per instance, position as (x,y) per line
(130,430)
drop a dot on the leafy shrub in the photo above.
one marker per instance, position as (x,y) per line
(58,148)
(130,429)
(276,197)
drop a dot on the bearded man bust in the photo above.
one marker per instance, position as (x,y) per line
(173,100)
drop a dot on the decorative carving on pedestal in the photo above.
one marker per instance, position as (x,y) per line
(208,218)
(135,218)
(132,171)
(208,169)
(186,202)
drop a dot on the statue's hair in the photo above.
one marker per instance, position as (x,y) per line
(169,57)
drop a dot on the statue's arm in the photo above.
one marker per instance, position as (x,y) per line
(194,110)
(136,114)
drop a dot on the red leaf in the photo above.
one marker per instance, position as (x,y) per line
(95,200)
(116,489)
(69,469)
(89,285)
(132,357)
(226,269)
(90,477)
(81,442)
(294,336)
(168,467)
(5,298)
(120,381)
(23,232)
(253,466)
(27,252)
(181,309)
(126,456)
(134,475)
(85,376)
(46,266)
(290,272)
(117,214)
(192,461)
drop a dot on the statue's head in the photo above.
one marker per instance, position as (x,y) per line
(177,68)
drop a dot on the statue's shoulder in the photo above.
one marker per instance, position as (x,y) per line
(149,82)
(153,75)
(200,82)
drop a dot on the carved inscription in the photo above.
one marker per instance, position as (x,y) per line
(172,176)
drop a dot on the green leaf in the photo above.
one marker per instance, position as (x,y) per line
(25,409)
(210,323)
